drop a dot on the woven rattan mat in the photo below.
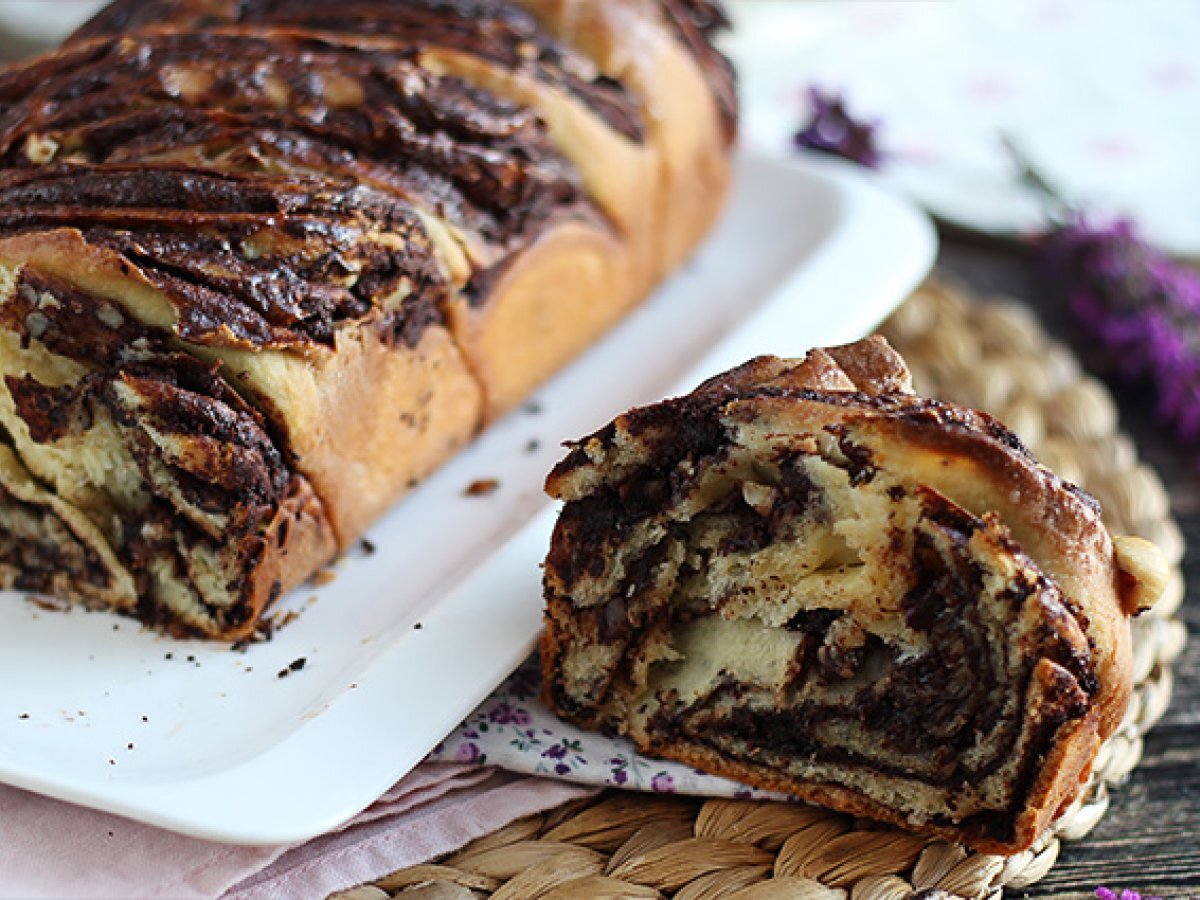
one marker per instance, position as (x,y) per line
(991,355)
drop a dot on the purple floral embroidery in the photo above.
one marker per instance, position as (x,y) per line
(468,752)
(513,730)
(620,770)
(506,714)
(662,783)
(566,756)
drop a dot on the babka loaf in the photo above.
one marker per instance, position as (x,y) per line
(805,577)
(266,263)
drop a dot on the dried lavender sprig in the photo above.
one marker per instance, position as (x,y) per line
(1103,893)
(831,129)
(1142,307)
(1057,209)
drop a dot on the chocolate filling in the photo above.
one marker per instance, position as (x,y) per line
(247,100)
(950,715)
(266,262)
(39,549)
(496,31)
(212,476)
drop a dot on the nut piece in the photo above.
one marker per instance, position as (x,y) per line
(1144,573)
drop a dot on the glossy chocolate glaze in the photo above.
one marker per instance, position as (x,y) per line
(261,102)
(500,32)
(247,260)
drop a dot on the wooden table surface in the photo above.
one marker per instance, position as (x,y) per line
(1149,841)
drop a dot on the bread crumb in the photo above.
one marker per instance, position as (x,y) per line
(50,604)
(294,666)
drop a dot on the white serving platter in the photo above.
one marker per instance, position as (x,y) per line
(407,640)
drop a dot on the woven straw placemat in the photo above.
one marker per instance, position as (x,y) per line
(991,355)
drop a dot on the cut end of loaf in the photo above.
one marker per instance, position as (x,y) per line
(292,255)
(743,580)
(132,476)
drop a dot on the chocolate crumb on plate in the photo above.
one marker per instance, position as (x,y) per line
(481,487)
(294,666)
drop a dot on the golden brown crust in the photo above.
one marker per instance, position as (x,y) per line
(630,41)
(299,541)
(347,414)
(531,323)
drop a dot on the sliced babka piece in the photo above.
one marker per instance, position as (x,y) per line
(805,577)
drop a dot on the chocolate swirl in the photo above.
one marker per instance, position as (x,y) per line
(756,579)
(249,102)
(500,32)
(211,476)
(248,260)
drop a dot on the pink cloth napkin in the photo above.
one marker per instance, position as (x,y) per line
(50,849)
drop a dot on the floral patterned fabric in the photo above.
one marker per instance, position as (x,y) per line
(515,731)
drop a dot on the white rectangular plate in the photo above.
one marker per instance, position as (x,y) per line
(407,640)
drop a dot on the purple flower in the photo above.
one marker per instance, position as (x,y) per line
(831,129)
(662,783)
(506,714)
(1142,308)
(467,753)
(561,768)
(1104,893)
(555,751)
(619,765)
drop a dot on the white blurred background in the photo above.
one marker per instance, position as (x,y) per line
(1102,95)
